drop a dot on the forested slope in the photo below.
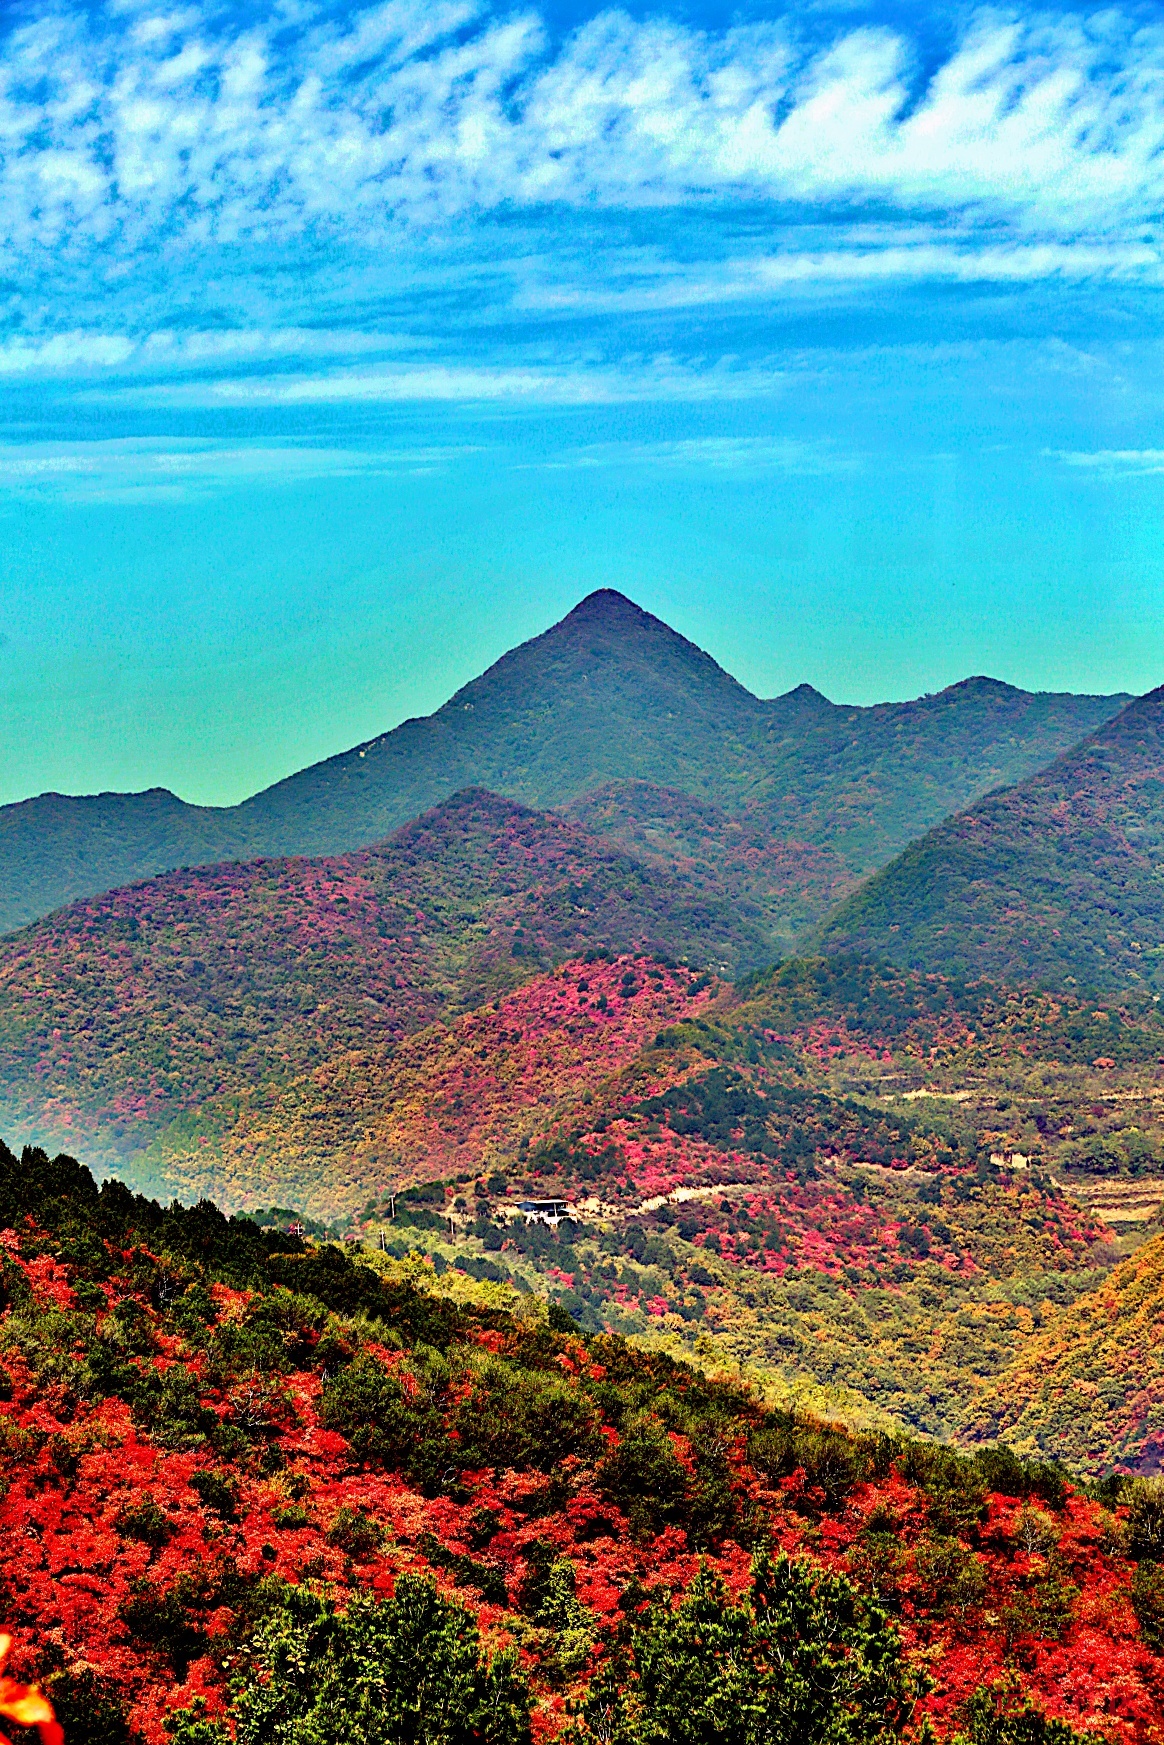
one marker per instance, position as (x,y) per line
(250,1482)
(1060,877)
(123,1012)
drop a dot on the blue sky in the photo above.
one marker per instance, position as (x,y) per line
(342,347)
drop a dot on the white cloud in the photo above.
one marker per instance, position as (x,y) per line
(574,381)
(715,454)
(1115,462)
(896,259)
(164,351)
(136,129)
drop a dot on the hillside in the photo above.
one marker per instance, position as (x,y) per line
(787,884)
(755,1183)
(1059,877)
(458,1096)
(122,1012)
(321,1034)
(1089,1388)
(248,1477)
(609,694)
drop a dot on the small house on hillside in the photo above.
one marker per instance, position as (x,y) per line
(544,1211)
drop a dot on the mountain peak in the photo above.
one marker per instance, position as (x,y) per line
(982,685)
(623,670)
(807,695)
(607,605)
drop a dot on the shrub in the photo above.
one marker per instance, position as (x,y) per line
(1010,1475)
(355,1532)
(953,1485)
(951,1577)
(643,1476)
(169,1620)
(1148,1604)
(177,1416)
(831,1462)
(386,1424)
(1145,1501)
(88,1706)
(218,1490)
(996,1717)
(408,1668)
(144,1520)
(291,1518)
(466,1571)
(518,1418)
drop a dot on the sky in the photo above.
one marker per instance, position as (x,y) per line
(343,347)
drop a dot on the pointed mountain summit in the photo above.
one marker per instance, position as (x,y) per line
(1059,877)
(610,693)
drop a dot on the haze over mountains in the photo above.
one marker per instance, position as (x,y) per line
(610,694)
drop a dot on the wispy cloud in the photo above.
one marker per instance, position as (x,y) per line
(170,470)
(899,259)
(128,129)
(574,381)
(166,469)
(82,351)
(715,454)
(267,212)
(1115,462)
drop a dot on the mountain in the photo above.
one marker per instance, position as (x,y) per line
(457,1096)
(60,846)
(798,1182)
(609,694)
(124,1011)
(1059,877)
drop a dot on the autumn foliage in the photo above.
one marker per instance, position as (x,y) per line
(217,1438)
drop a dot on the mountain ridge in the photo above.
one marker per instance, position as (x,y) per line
(609,693)
(1059,877)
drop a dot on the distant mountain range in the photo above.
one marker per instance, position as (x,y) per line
(694,822)
(609,695)
(1060,876)
(123,1013)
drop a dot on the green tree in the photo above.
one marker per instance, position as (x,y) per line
(644,1477)
(386,1423)
(403,1671)
(801,1659)
(1145,1500)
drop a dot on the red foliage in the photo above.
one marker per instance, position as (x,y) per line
(78,1472)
